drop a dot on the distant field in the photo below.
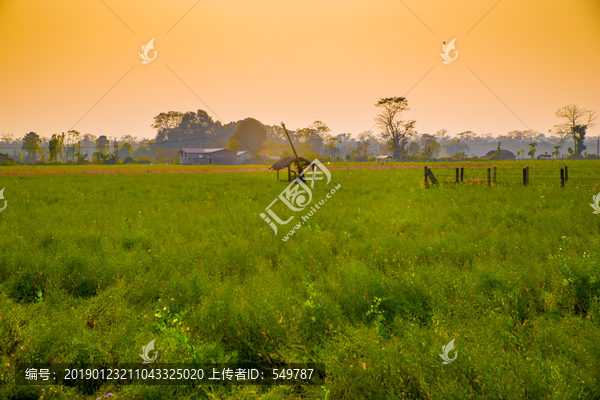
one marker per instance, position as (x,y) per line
(92,267)
(552,165)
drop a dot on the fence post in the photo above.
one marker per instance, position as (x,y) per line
(456,175)
(562,178)
(494,174)
(461,174)
(489,177)
(430,174)
(425,176)
(566,173)
(524,176)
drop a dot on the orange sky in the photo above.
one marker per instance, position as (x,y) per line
(295,61)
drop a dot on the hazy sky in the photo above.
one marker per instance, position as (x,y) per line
(68,64)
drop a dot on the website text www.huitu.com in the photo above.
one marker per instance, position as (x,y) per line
(310,214)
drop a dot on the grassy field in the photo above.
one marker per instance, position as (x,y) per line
(373,285)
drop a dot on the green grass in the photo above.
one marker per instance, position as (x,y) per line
(373,285)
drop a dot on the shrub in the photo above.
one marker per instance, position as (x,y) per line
(27,287)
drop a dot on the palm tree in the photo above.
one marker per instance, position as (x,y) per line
(557,152)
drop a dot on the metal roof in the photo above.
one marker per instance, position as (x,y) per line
(201,151)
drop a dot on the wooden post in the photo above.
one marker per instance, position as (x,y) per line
(430,174)
(461,174)
(296,154)
(457,175)
(425,176)
(566,173)
(524,176)
(290,172)
(494,174)
(562,178)
(489,177)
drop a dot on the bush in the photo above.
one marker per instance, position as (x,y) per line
(128,160)
(27,287)
(7,163)
(143,160)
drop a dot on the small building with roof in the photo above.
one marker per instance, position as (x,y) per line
(243,156)
(221,156)
(5,157)
(504,155)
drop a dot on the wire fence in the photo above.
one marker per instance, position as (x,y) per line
(564,176)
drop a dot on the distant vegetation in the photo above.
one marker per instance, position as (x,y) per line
(398,138)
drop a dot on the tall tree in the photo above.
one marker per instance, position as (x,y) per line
(53,146)
(128,138)
(575,122)
(332,146)
(442,134)
(125,150)
(233,144)
(102,144)
(456,146)
(31,144)
(190,129)
(533,150)
(73,138)
(395,131)
(321,133)
(252,135)
(164,123)
(430,147)
(413,149)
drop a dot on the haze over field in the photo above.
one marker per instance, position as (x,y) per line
(296,61)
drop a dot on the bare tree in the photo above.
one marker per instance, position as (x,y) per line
(396,131)
(576,121)
(442,134)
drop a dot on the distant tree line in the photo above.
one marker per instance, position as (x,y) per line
(398,138)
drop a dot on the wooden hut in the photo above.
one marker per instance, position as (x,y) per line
(384,159)
(288,162)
